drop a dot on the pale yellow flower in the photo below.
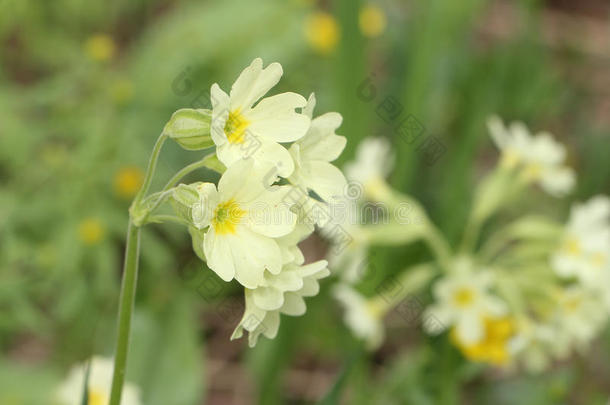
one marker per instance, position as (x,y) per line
(121,91)
(494,348)
(100,47)
(127,181)
(322,32)
(372,20)
(91,231)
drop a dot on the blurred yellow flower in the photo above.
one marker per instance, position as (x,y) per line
(493,348)
(91,231)
(100,47)
(127,181)
(322,32)
(372,21)
(121,91)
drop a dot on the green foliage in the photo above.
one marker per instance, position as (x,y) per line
(71,124)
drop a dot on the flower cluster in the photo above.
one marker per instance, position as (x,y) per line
(533,291)
(274,157)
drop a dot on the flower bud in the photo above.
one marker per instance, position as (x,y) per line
(183,198)
(190,128)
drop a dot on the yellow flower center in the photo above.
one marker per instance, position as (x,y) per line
(91,231)
(322,32)
(493,347)
(235,127)
(463,297)
(532,171)
(97,398)
(372,20)
(572,246)
(127,181)
(572,304)
(510,158)
(226,217)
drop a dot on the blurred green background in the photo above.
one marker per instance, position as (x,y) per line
(86,87)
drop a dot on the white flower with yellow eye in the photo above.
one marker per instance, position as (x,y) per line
(464,301)
(374,162)
(585,246)
(539,158)
(244,217)
(363,316)
(241,129)
(280,294)
(70,391)
(579,318)
(313,153)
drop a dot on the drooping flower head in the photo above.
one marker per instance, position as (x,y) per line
(362,316)
(374,162)
(539,158)
(585,245)
(279,294)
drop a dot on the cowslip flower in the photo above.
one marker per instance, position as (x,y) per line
(100,48)
(127,181)
(279,294)
(539,157)
(241,129)
(464,301)
(363,316)
(585,245)
(372,20)
(91,231)
(313,153)
(322,32)
(578,318)
(70,392)
(243,215)
(374,162)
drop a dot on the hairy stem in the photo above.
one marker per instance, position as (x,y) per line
(150,171)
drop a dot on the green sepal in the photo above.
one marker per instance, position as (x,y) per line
(197,239)
(183,197)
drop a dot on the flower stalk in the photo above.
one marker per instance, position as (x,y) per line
(126,303)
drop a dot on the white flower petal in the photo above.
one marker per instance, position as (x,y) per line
(294,305)
(220,114)
(253,83)
(275,118)
(321,142)
(217,249)
(469,328)
(270,215)
(252,254)
(323,178)
(268,298)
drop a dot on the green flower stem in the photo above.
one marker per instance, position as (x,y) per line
(166,218)
(150,171)
(126,303)
(411,280)
(438,244)
(186,170)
